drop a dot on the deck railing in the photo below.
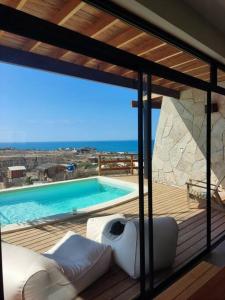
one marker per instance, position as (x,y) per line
(117,162)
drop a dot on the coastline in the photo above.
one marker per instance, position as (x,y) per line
(101,146)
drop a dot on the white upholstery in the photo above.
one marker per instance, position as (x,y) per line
(28,275)
(83,261)
(65,270)
(126,248)
(96,226)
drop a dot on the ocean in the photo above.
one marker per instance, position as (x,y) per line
(107,146)
(130,146)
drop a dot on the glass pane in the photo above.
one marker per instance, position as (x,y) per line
(179,178)
(221,78)
(55,133)
(217,167)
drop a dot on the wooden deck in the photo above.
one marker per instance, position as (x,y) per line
(116,284)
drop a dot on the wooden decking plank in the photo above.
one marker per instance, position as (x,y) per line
(116,290)
(199,230)
(175,290)
(131,293)
(198,283)
(109,279)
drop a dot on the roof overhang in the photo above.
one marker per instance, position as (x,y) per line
(97,43)
(174,17)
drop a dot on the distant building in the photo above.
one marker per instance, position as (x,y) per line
(93,159)
(16,172)
(86,150)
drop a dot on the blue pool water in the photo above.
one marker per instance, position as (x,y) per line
(29,204)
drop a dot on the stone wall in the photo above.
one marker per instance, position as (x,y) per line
(180,146)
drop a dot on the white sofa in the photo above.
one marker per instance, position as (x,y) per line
(64,271)
(125,246)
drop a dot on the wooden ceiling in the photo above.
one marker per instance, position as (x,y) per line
(83,18)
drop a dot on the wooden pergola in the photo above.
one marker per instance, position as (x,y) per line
(80,17)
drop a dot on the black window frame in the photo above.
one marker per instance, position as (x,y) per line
(17,22)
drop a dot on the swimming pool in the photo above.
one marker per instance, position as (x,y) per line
(23,205)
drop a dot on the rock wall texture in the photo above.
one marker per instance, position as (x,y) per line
(180,145)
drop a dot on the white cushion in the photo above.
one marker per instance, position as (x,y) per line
(96,226)
(28,275)
(126,246)
(83,261)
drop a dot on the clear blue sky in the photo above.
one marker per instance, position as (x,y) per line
(42,106)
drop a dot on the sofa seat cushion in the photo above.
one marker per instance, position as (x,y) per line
(82,260)
(29,275)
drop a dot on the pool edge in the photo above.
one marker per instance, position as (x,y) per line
(81,212)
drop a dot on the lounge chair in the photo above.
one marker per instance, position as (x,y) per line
(61,273)
(197,194)
(124,240)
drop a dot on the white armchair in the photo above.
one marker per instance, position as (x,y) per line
(96,226)
(61,273)
(126,248)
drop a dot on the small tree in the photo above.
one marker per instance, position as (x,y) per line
(28,180)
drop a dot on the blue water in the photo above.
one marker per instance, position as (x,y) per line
(37,202)
(108,146)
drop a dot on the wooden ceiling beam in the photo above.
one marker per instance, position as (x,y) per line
(127,36)
(202,73)
(156,102)
(18,5)
(187,67)
(122,39)
(198,71)
(60,37)
(101,25)
(176,86)
(157,61)
(37,61)
(192,71)
(69,9)
(179,60)
(142,49)
(193,66)
(139,54)
(158,56)
(110,21)
(185,64)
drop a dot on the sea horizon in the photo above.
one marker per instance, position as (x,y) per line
(104,145)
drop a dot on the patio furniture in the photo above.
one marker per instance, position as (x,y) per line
(96,226)
(61,273)
(29,275)
(126,248)
(197,194)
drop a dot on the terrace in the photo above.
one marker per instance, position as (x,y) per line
(116,284)
(101,43)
